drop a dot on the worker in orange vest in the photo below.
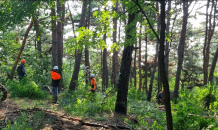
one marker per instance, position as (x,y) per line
(93,83)
(55,83)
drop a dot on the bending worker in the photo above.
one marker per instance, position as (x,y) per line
(93,83)
(55,83)
(160,97)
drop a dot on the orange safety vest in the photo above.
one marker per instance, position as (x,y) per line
(93,82)
(55,75)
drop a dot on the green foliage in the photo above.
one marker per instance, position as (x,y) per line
(29,89)
(190,110)
(26,122)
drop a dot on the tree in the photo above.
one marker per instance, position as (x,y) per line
(60,27)
(155,60)
(181,48)
(105,68)
(115,52)
(167,41)
(79,55)
(210,27)
(163,71)
(20,52)
(54,37)
(122,85)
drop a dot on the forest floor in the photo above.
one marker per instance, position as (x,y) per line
(47,116)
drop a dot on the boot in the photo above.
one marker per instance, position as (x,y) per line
(55,98)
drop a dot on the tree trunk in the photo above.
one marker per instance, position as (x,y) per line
(20,52)
(122,85)
(79,55)
(105,69)
(146,61)
(155,61)
(163,71)
(140,75)
(210,79)
(38,36)
(205,43)
(135,74)
(181,49)
(54,39)
(60,27)
(167,42)
(115,52)
(208,40)
(87,64)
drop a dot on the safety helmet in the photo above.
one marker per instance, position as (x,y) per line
(55,68)
(92,75)
(23,61)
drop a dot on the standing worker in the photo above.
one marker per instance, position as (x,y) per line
(93,83)
(55,83)
(21,70)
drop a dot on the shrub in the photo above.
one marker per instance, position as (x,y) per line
(29,89)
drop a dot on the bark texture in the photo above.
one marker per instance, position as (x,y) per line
(122,85)
(163,71)
(181,49)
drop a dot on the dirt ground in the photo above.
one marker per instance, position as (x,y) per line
(11,110)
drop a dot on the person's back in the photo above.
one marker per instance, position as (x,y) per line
(55,83)
(160,97)
(21,70)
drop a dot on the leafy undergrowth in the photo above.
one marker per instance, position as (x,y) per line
(25,89)
(195,109)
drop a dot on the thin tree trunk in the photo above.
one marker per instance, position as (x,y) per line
(38,36)
(115,52)
(60,27)
(205,44)
(105,69)
(20,52)
(122,85)
(135,74)
(208,41)
(155,60)
(146,66)
(163,71)
(181,49)
(87,64)
(167,42)
(140,75)
(79,55)
(54,38)
(210,79)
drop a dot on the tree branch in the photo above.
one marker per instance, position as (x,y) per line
(137,3)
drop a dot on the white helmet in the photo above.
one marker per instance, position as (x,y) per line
(55,68)
(92,75)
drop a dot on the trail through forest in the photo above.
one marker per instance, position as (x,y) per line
(48,117)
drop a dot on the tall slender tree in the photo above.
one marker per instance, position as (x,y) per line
(79,55)
(115,52)
(54,36)
(155,59)
(20,52)
(122,85)
(181,47)
(210,27)
(163,71)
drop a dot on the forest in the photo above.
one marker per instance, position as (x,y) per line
(108,64)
